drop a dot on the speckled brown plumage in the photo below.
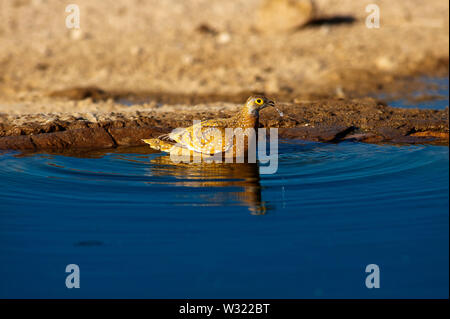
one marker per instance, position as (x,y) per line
(209,137)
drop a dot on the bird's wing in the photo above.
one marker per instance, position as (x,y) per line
(206,137)
(166,138)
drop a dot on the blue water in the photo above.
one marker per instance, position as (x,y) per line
(140,227)
(435,96)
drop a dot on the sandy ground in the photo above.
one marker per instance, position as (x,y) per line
(171,50)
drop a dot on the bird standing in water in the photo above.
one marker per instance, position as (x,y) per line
(209,137)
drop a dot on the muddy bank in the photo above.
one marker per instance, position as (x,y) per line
(365,120)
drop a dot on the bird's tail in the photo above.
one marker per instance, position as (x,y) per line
(158,144)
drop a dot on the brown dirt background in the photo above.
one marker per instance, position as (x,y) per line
(204,56)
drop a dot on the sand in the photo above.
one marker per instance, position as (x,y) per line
(205,56)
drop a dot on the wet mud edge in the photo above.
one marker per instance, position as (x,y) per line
(363,120)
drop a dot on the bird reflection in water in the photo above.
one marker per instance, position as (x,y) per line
(240,175)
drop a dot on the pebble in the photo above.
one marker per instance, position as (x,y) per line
(340,92)
(76,34)
(223,38)
(385,63)
(187,59)
(284,15)
(136,50)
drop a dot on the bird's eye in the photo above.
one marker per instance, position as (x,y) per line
(259,101)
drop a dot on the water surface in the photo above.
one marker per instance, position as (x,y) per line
(139,226)
(434,95)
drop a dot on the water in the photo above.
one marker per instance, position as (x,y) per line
(435,96)
(139,226)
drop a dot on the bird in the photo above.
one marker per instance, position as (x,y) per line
(209,136)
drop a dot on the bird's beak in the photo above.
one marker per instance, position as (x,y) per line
(268,103)
(272,103)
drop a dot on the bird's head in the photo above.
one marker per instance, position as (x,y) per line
(257,102)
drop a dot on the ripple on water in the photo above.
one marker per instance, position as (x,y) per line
(318,214)
(303,167)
